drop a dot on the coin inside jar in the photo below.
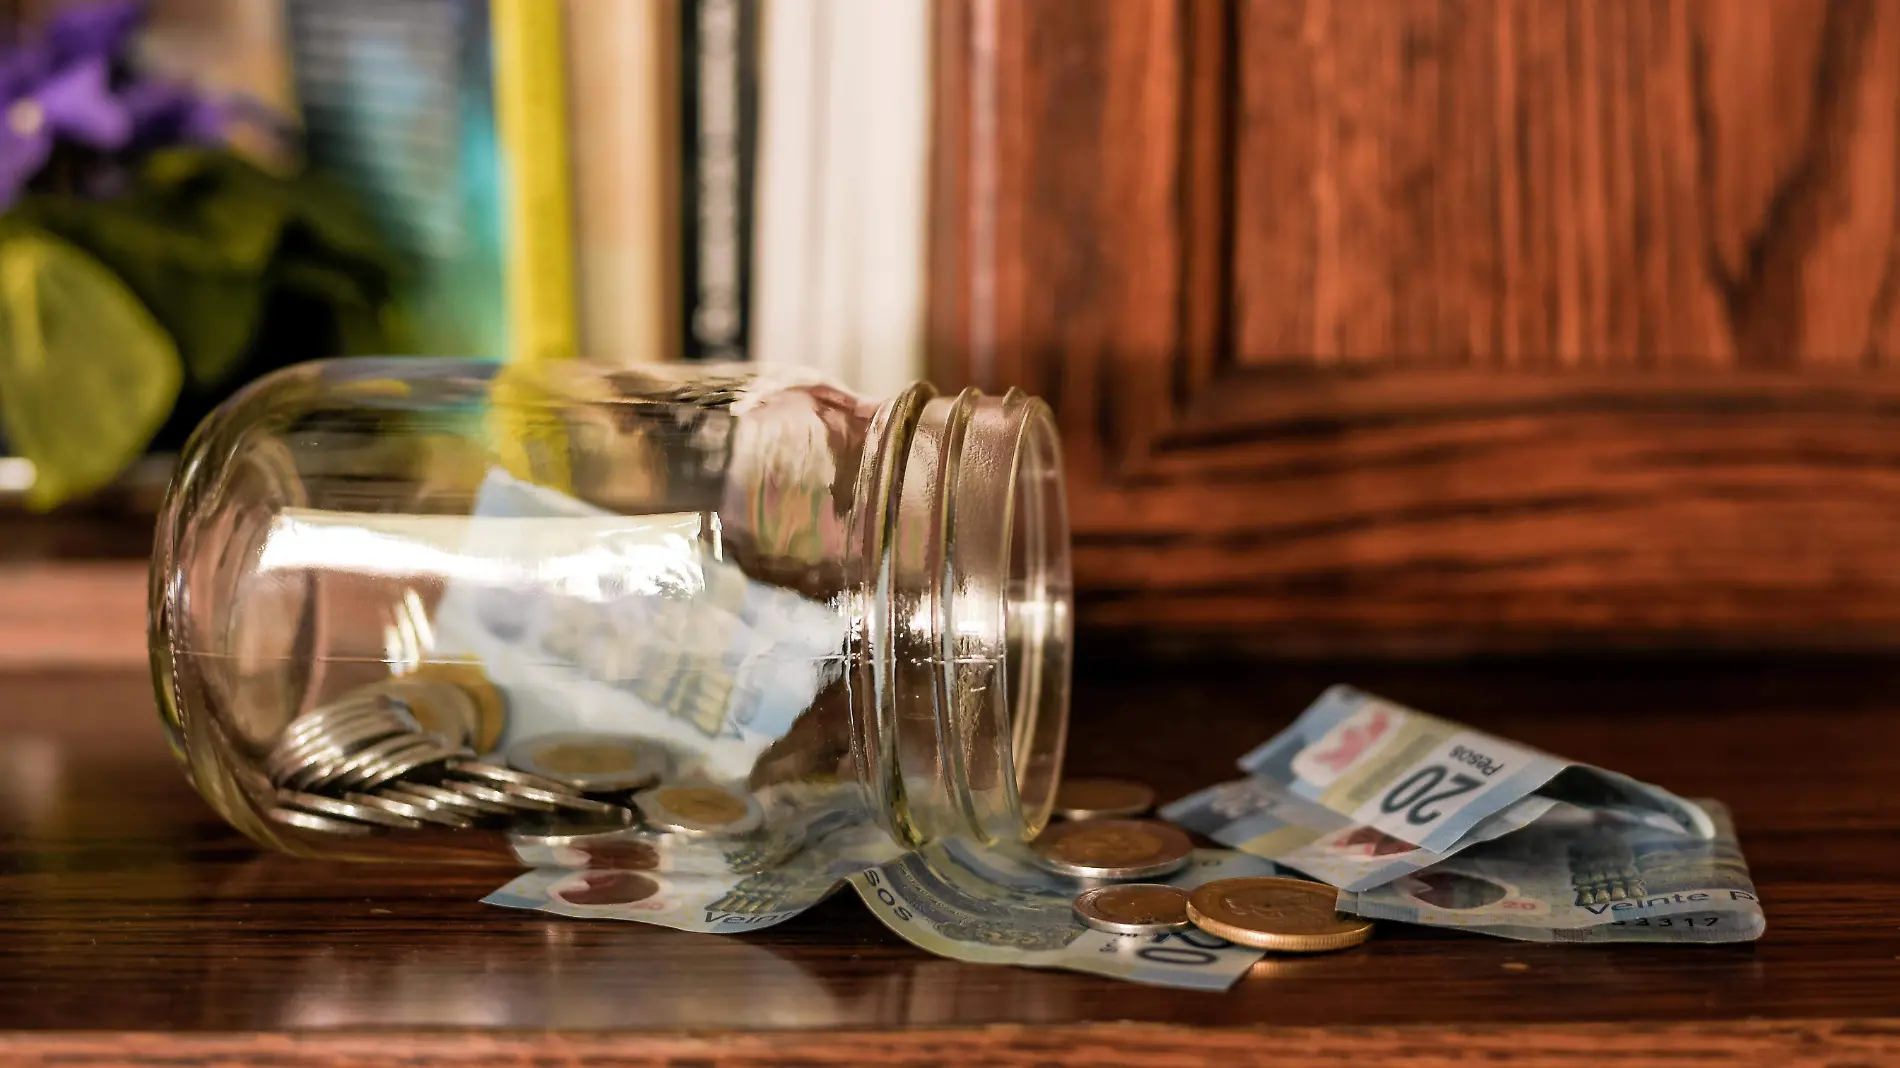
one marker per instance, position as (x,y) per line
(591,763)
(1096,799)
(1113,849)
(491,707)
(700,810)
(1267,912)
(1134,908)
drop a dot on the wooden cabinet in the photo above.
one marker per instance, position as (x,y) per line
(1443,324)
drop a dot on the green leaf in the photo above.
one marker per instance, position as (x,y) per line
(87,375)
(195,269)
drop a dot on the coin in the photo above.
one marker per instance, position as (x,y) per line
(427,813)
(700,810)
(1134,908)
(502,778)
(443,796)
(1113,849)
(1095,799)
(591,763)
(491,706)
(1265,912)
(330,806)
(310,821)
(510,799)
(427,751)
(567,831)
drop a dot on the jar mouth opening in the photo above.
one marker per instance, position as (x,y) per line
(1037,618)
(967,622)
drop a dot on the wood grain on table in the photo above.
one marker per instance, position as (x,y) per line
(135,926)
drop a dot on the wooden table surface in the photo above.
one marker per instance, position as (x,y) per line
(135,925)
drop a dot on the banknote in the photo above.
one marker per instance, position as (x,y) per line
(1430,782)
(990,905)
(979,904)
(701,901)
(1584,875)
(1259,816)
(591,620)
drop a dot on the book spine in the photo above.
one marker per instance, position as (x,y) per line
(531,126)
(719,125)
(620,91)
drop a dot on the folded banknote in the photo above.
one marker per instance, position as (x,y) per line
(1584,875)
(1265,818)
(1432,783)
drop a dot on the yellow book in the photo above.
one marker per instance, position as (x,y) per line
(530,85)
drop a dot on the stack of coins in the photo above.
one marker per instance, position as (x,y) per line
(1283,915)
(367,763)
(642,775)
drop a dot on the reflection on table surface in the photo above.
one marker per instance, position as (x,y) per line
(125,903)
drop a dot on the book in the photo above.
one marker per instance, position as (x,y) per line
(718,127)
(448,118)
(623,100)
(842,192)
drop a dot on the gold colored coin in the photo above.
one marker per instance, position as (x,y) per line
(586,759)
(1288,915)
(703,804)
(1134,908)
(1095,799)
(1113,849)
(490,705)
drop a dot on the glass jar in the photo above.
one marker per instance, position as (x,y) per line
(691,614)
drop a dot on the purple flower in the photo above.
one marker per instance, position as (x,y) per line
(61,86)
(74,104)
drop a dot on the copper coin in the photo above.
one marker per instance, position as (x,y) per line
(1134,908)
(1097,799)
(1266,912)
(1113,849)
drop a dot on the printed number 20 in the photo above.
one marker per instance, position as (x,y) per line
(1415,793)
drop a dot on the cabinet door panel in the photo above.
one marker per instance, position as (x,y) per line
(1428,324)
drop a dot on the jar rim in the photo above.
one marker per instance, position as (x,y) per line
(963,691)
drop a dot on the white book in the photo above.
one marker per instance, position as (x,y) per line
(844,152)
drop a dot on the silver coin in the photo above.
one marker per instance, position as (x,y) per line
(592,806)
(428,750)
(1134,908)
(299,764)
(568,831)
(327,723)
(591,763)
(699,809)
(427,812)
(500,777)
(511,798)
(425,792)
(318,775)
(310,821)
(330,806)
